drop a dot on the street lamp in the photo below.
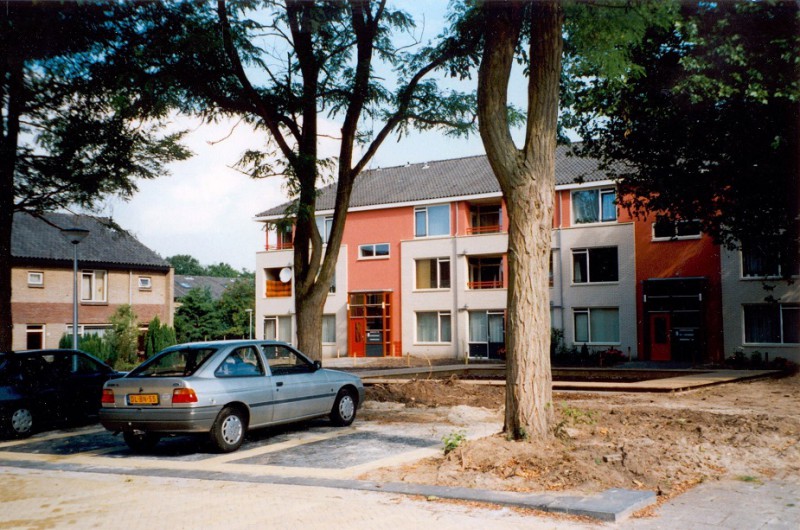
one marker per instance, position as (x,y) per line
(74,235)
(250,323)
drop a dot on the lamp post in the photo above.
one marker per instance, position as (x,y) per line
(74,235)
(250,323)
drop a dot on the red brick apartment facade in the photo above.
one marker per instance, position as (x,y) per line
(422,270)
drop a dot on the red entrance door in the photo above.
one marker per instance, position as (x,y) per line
(358,337)
(660,337)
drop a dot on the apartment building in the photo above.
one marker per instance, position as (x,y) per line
(113,269)
(422,270)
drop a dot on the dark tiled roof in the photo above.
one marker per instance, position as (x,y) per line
(458,177)
(33,238)
(217,286)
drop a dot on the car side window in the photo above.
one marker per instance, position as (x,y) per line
(241,362)
(283,361)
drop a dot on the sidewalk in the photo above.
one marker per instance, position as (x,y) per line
(63,499)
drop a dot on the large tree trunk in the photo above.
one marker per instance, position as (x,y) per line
(527,178)
(9,136)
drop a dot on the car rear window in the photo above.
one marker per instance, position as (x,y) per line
(175,363)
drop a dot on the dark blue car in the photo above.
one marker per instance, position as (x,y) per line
(43,387)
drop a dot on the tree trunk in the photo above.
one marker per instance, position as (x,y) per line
(527,178)
(8,156)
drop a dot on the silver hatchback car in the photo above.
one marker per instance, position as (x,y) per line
(225,388)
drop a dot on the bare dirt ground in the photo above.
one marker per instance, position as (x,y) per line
(660,442)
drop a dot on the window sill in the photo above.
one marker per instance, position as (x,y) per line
(772,344)
(584,284)
(374,259)
(432,290)
(433,344)
(673,239)
(93,302)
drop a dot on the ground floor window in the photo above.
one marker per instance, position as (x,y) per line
(487,334)
(278,328)
(329,329)
(596,325)
(434,326)
(34,336)
(772,323)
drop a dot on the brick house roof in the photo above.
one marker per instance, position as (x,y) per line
(216,285)
(40,240)
(458,177)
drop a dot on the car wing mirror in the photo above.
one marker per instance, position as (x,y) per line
(317,365)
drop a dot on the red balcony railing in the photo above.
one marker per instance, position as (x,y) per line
(493,284)
(491,229)
(278,289)
(280,246)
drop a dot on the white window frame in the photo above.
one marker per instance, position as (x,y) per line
(324,225)
(36,329)
(600,193)
(441,316)
(278,320)
(332,323)
(425,210)
(779,272)
(374,247)
(675,236)
(91,274)
(588,280)
(439,263)
(35,279)
(145,283)
(588,312)
(781,307)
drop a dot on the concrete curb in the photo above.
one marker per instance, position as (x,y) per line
(611,505)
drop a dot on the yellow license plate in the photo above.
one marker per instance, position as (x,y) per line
(143,399)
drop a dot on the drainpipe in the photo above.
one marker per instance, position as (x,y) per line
(455,285)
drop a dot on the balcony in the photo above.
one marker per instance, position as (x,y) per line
(491,284)
(278,289)
(280,245)
(489,229)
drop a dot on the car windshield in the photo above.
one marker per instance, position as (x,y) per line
(181,363)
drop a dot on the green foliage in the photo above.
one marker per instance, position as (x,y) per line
(703,124)
(123,338)
(158,337)
(187,265)
(233,305)
(197,318)
(91,343)
(453,441)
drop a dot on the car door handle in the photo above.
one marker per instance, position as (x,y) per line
(279,383)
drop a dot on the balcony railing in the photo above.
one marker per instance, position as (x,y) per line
(287,245)
(493,284)
(490,229)
(278,289)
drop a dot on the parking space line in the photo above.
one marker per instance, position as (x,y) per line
(273,448)
(48,437)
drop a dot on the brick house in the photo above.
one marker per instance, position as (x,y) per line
(422,270)
(113,269)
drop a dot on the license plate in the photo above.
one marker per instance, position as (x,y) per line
(143,399)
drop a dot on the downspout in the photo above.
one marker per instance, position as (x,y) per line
(454,260)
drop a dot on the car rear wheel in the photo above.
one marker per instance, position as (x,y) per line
(21,422)
(228,430)
(344,408)
(141,442)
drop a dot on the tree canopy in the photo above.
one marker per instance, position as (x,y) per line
(702,124)
(190,266)
(68,134)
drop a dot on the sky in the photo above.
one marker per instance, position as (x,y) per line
(206,209)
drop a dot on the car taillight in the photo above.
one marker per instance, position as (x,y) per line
(184,395)
(108,396)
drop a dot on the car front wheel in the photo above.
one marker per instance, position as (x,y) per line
(21,421)
(344,408)
(228,431)
(141,442)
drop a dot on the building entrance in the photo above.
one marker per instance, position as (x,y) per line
(369,324)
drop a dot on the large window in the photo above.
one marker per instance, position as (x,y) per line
(324,225)
(593,265)
(666,230)
(376,251)
(329,329)
(772,323)
(594,206)
(432,221)
(278,328)
(434,327)
(433,273)
(759,264)
(93,286)
(485,273)
(596,325)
